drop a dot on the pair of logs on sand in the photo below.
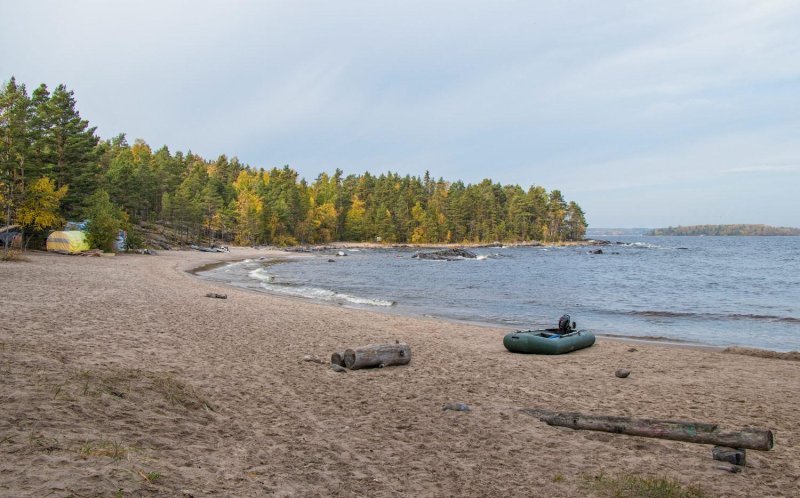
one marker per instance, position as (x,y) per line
(373,355)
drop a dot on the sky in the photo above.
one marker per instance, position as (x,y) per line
(646,113)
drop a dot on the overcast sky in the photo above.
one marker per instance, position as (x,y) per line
(646,113)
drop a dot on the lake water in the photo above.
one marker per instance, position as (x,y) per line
(711,290)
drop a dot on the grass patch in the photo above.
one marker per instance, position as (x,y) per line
(111,449)
(12,256)
(632,486)
(150,477)
(178,393)
(133,385)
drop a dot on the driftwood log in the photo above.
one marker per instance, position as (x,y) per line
(736,456)
(692,432)
(337,358)
(377,355)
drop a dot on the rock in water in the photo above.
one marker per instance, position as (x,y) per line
(622,373)
(446,255)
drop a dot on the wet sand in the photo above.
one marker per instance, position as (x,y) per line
(117,373)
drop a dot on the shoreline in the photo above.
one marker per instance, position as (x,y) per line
(118,368)
(662,340)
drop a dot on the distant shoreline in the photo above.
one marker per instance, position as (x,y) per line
(745,230)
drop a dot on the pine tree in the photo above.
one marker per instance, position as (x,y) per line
(67,145)
(15,145)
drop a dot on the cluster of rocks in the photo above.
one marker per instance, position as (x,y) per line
(446,255)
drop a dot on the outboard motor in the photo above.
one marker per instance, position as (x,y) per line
(564,325)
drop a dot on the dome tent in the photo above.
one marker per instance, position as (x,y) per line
(69,241)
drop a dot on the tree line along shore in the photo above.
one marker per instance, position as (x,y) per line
(55,168)
(731,230)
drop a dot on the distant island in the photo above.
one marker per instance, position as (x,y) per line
(733,230)
(616,232)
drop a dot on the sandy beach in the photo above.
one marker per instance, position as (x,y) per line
(118,377)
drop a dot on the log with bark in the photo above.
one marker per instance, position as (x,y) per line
(337,358)
(377,355)
(692,432)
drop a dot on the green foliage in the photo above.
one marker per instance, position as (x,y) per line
(133,238)
(105,221)
(44,135)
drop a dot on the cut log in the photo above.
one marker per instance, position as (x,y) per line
(736,456)
(377,355)
(692,432)
(337,358)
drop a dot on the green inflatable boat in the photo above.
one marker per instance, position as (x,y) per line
(547,341)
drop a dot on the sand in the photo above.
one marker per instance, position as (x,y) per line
(117,376)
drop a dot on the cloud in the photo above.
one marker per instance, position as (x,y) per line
(577,95)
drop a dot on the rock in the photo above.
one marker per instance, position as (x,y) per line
(217,296)
(458,407)
(598,251)
(331,261)
(446,255)
(622,373)
(632,350)
(337,368)
(312,358)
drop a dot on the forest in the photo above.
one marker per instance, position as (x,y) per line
(54,168)
(730,230)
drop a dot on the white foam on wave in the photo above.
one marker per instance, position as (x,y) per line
(481,257)
(323,294)
(261,274)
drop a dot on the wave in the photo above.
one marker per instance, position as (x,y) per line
(322,294)
(261,274)
(713,316)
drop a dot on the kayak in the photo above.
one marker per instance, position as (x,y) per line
(547,341)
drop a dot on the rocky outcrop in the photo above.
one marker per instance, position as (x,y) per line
(446,255)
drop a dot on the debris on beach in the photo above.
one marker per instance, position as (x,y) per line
(372,355)
(312,358)
(337,358)
(337,368)
(217,296)
(736,456)
(458,407)
(212,248)
(622,373)
(632,350)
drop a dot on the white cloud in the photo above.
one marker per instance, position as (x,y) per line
(577,95)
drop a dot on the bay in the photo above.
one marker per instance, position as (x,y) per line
(719,291)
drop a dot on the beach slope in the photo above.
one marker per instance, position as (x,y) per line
(118,376)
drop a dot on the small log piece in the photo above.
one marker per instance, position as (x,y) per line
(377,355)
(337,358)
(691,432)
(736,456)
